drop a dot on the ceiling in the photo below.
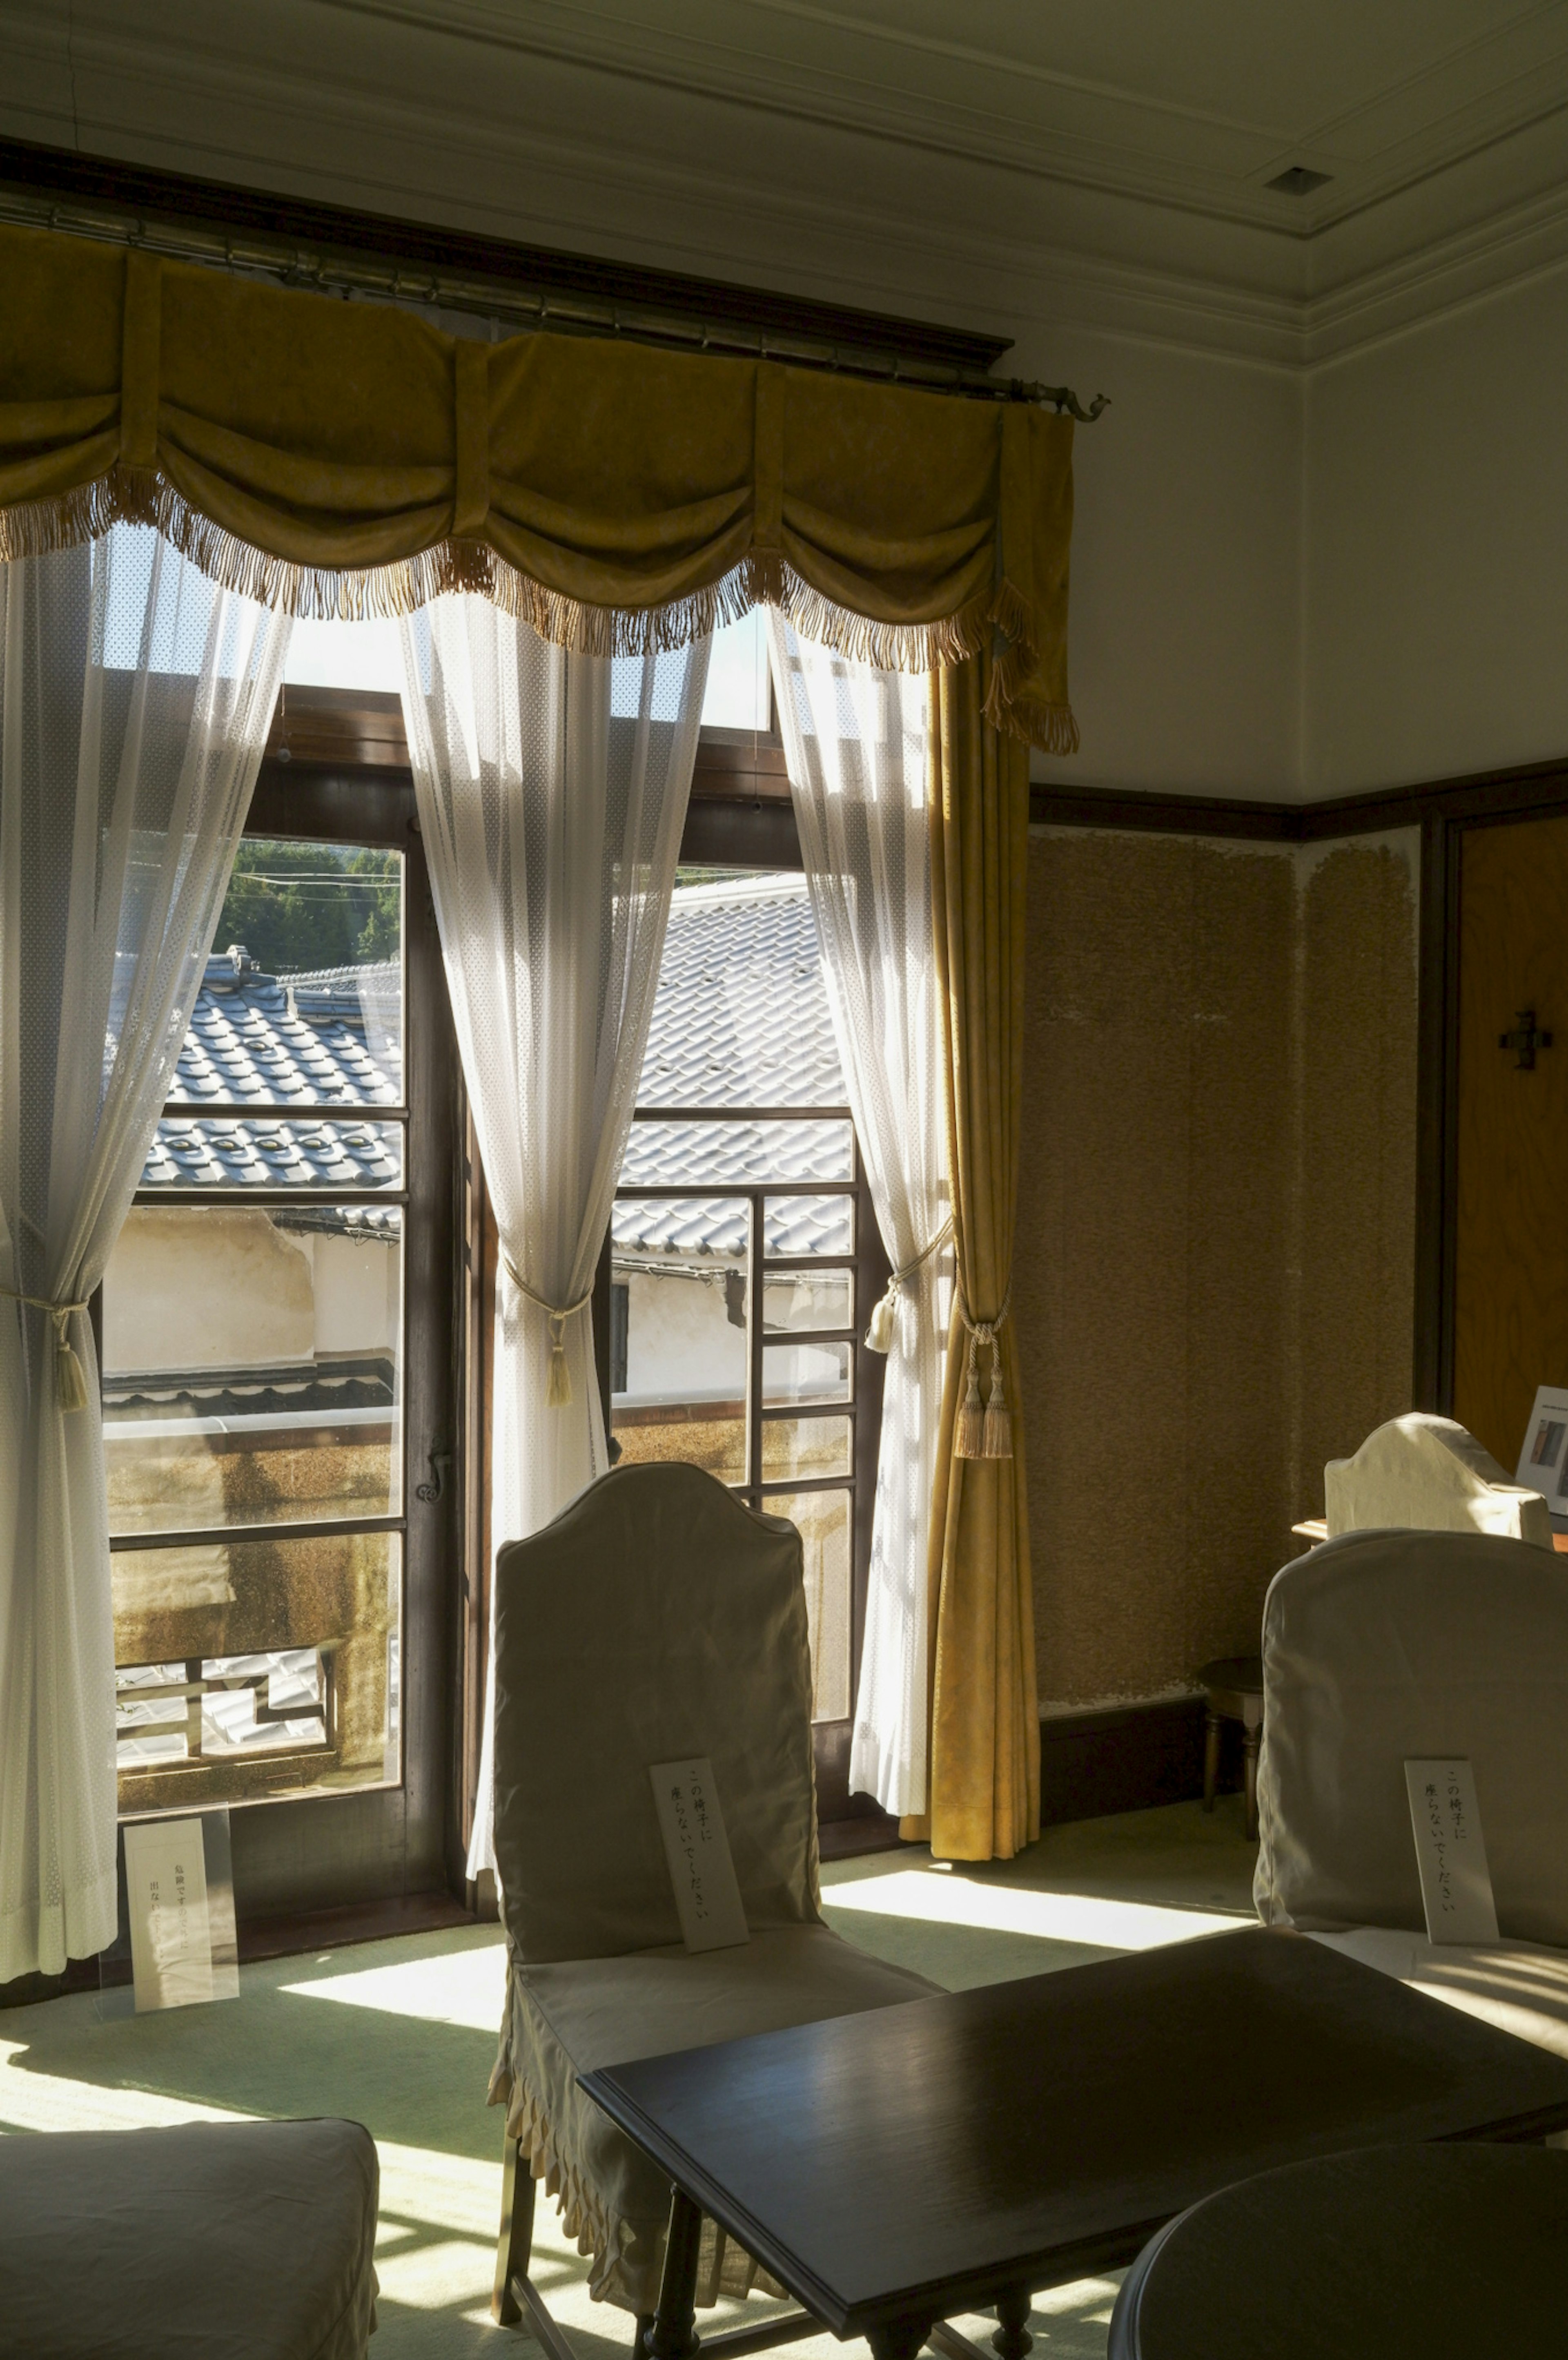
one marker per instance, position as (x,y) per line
(925,149)
(1201,104)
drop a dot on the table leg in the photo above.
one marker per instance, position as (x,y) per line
(901,2339)
(644,2328)
(1210,1759)
(673,2335)
(1012,2339)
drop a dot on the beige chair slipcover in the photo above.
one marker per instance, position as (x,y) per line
(233,2240)
(654,1619)
(1380,1647)
(1430,1474)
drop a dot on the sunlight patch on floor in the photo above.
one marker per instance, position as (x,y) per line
(466,1987)
(949,1900)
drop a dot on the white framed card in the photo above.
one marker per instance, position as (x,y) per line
(707,1896)
(1450,1851)
(1543,1459)
(180,1905)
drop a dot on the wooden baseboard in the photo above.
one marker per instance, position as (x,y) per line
(862,1832)
(279,1938)
(1123,1758)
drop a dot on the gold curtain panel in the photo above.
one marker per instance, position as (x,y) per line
(347,458)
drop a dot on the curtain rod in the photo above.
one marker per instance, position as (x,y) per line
(518,308)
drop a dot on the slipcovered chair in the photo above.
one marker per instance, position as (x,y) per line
(238,2241)
(656,1620)
(1382,1647)
(1430,1474)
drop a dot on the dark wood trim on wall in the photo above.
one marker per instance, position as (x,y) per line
(1487,796)
(1124,1758)
(1443,810)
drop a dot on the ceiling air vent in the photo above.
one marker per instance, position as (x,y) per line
(1298,181)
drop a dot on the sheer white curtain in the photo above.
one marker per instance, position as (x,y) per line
(135,699)
(551,790)
(855,742)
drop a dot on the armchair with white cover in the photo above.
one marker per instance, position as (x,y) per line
(656,1620)
(1430,1474)
(1381,1647)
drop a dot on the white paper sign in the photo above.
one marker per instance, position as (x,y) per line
(171,1932)
(1543,1460)
(1451,1853)
(707,1898)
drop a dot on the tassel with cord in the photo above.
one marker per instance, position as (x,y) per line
(558,1394)
(969,1426)
(985,1431)
(997,1438)
(70,1377)
(558,1385)
(881,1330)
(879,1333)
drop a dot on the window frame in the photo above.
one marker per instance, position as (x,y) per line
(372,1844)
(741,816)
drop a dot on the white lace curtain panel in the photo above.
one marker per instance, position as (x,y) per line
(134,700)
(855,742)
(551,792)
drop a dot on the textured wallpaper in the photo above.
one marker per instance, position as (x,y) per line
(1215,1272)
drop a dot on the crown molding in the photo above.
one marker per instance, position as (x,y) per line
(1031,256)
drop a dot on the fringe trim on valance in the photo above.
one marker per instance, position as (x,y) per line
(763,578)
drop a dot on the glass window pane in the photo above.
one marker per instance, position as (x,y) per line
(808,1225)
(302,999)
(797,1374)
(737,696)
(678,1331)
(286,1152)
(822,1520)
(740,954)
(254,1668)
(252,1365)
(803,1446)
(702,1154)
(816,1299)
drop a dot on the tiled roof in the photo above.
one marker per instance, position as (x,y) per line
(740,1019)
(330,1037)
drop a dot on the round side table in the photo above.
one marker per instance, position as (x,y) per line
(1235,1688)
(1442,2252)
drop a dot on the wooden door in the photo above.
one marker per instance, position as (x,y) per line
(1512,1201)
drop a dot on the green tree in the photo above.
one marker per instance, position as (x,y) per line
(297,906)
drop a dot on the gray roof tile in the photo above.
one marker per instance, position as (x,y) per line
(740,1018)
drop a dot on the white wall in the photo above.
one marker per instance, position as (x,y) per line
(1437,548)
(190,1288)
(1184,653)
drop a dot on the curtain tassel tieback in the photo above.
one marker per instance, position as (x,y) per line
(879,1333)
(985,1431)
(557,1385)
(70,1377)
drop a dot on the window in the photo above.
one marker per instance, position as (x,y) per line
(269,1329)
(737,1242)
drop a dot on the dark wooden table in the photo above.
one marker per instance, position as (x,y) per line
(893,2169)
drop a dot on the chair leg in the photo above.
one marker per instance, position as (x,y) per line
(1250,1743)
(639,2341)
(515,2243)
(1210,1759)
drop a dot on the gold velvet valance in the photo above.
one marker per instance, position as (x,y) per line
(347,458)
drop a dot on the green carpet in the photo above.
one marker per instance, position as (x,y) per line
(402,2035)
